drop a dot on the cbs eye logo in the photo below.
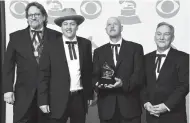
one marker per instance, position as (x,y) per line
(167,8)
(17,8)
(91,9)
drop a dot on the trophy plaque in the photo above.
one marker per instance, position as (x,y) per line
(107,76)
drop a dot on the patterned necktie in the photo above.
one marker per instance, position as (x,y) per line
(158,61)
(71,47)
(37,44)
(115,46)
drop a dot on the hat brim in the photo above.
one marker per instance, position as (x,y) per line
(78,18)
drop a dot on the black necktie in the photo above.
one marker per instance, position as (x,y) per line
(72,49)
(158,61)
(116,50)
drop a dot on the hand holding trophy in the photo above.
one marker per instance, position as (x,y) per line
(108,75)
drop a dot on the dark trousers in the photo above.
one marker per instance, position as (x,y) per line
(75,110)
(34,114)
(118,118)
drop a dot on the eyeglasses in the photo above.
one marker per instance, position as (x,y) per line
(36,15)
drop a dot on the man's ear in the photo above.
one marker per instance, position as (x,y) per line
(121,28)
(173,37)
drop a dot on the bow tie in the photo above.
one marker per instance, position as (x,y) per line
(160,55)
(35,31)
(115,45)
(71,47)
(158,61)
(71,42)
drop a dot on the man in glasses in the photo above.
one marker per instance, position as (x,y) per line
(24,51)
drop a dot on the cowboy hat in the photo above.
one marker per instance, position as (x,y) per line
(69,14)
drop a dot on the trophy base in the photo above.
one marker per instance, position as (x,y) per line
(106,81)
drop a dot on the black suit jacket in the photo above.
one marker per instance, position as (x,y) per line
(54,84)
(170,88)
(129,69)
(19,52)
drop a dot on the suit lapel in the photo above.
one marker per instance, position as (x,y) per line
(124,51)
(81,50)
(62,48)
(166,63)
(152,66)
(28,44)
(109,55)
(45,35)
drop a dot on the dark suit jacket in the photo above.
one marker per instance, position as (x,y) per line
(54,85)
(170,88)
(19,52)
(129,69)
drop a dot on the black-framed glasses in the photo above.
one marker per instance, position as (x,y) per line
(36,15)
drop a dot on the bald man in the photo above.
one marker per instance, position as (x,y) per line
(118,91)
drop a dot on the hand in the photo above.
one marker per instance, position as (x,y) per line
(90,102)
(9,97)
(149,107)
(45,108)
(117,84)
(99,85)
(160,108)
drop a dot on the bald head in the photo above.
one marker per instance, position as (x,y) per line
(115,19)
(114,27)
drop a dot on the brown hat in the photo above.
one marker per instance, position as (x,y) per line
(69,14)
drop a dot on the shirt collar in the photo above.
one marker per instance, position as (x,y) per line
(119,42)
(165,52)
(41,29)
(66,39)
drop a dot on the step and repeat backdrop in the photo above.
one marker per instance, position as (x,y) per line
(139,18)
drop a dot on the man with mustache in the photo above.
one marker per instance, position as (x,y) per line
(65,88)
(24,51)
(167,79)
(117,77)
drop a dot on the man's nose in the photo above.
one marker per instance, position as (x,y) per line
(162,37)
(69,26)
(33,17)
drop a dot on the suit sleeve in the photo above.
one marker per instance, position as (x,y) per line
(44,78)
(143,93)
(182,88)
(90,88)
(96,69)
(9,66)
(136,78)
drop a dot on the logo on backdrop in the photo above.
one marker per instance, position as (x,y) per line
(91,9)
(17,8)
(54,9)
(128,12)
(167,8)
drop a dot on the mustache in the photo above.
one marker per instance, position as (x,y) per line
(34,20)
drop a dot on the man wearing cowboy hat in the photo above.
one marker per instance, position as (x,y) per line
(65,87)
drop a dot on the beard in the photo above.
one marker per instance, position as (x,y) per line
(35,24)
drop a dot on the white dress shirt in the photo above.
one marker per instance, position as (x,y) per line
(74,66)
(162,60)
(161,64)
(118,48)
